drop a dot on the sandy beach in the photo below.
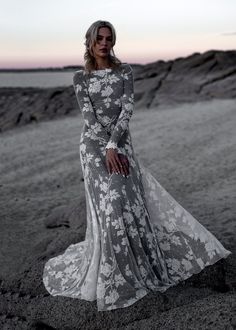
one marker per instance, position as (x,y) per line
(191,150)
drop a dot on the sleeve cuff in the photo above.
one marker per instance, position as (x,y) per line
(112,145)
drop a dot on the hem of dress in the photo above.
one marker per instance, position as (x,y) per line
(227,253)
(161,290)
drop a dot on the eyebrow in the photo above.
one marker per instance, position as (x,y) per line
(99,35)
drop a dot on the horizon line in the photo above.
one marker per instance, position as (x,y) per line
(63,67)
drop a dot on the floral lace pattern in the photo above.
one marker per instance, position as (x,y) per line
(138,237)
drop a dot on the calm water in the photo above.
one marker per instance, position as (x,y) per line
(36,79)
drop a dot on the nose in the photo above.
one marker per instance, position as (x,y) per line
(104,42)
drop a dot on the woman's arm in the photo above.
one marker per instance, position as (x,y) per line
(127,101)
(96,130)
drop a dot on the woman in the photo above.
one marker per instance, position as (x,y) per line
(138,238)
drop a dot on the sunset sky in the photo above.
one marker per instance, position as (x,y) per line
(50,33)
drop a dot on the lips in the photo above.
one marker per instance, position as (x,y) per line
(103,49)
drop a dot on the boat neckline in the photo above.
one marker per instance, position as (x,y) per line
(104,70)
(107,69)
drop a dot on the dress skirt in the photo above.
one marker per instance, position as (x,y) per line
(138,237)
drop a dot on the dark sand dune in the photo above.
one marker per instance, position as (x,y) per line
(197,77)
(190,149)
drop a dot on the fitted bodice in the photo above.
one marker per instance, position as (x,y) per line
(105,89)
(106,99)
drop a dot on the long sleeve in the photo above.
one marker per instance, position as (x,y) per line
(127,104)
(95,129)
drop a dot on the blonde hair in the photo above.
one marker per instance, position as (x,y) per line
(91,39)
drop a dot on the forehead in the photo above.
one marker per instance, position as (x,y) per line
(104,31)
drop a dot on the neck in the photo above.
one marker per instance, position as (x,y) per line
(102,63)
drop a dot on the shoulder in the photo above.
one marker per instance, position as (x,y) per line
(78,76)
(126,68)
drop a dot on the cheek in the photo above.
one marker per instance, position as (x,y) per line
(95,48)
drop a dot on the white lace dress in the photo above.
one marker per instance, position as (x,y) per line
(138,237)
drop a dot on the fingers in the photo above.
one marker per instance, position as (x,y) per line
(120,165)
(109,167)
(111,161)
(117,162)
(125,163)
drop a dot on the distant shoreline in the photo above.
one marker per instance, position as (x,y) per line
(51,69)
(65,68)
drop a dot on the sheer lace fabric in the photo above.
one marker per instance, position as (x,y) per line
(138,237)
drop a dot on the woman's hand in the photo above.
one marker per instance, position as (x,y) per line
(117,162)
(125,163)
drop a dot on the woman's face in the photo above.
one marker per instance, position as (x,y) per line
(104,43)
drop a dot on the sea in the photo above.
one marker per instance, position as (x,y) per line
(41,79)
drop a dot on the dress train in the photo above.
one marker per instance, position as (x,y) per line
(171,246)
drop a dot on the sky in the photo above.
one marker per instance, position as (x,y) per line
(51,33)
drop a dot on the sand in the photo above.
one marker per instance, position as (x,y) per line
(189,148)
